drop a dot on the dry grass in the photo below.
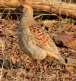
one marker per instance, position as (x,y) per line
(17,66)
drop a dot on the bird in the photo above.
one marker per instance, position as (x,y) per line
(35,41)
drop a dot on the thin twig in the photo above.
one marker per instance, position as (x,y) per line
(43,15)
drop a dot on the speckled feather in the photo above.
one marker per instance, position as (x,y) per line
(40,35)
(43,40)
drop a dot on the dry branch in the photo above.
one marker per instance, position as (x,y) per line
(64,8)
(57,8)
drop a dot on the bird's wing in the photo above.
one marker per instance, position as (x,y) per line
(41,37)
(44,41)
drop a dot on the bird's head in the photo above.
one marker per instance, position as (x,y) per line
(26,9)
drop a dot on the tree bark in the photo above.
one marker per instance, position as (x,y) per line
(57,8)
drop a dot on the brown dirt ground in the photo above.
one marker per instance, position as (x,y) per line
(19,67)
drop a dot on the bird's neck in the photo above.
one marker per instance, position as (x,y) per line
(27,19)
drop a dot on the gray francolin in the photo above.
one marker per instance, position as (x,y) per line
(35,41)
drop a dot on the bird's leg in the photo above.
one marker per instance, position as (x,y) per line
(33,64)
(38,62)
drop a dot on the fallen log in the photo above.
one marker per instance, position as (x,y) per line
(52,7)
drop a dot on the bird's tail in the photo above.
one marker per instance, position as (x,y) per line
(63,60)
